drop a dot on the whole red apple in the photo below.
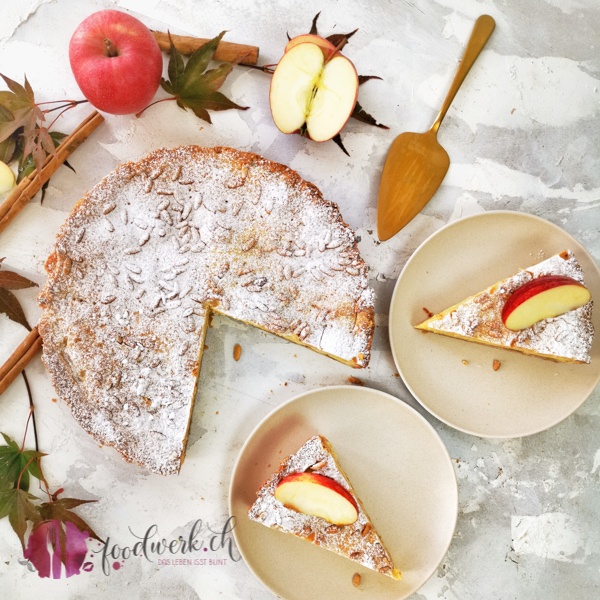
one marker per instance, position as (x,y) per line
(116,62)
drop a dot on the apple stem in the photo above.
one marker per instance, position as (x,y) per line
(138,115)
(110,49)
(270,69)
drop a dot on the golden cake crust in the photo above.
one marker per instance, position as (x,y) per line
(155,247)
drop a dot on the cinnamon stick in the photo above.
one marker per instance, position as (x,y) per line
(19,359)
(226,51)
(31,185)
(18,353)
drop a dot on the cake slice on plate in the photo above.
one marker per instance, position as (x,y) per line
(310,496)
(544,310)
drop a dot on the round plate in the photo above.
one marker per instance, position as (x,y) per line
(527,394)
(399,469)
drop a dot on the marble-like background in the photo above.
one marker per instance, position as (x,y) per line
(523,134)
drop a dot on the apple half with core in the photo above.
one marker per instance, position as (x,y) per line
(116,62)
(543,298)
(318,496)
(311,93)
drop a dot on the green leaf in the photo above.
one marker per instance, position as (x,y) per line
(9,305)
(13,462)
(176,66)
(14,281)
(217,101)
(200,112)
(57,137)
(212,80)
(26,168)
(16,504)
(59,510)
(166,85)
(193,75)
(193,87)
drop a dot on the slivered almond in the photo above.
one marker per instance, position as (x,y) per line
(356,579)
(237,352)
(366,529)
(318,465)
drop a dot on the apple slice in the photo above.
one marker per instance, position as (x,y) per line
(318,496)
(543,298)
(326,46)
(7,178)
(308,91)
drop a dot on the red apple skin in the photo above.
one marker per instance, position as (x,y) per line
(533,288)
(323,480)
(122,84)
(326,46)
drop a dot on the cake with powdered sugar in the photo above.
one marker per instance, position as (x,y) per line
(564,338)
(156,247)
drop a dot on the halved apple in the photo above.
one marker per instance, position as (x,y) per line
(7,178)
(326,46)
(319,496)
(543,298)
(309,91)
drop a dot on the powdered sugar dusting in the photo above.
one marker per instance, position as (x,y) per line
(152,247)
(568,336)
(358,541)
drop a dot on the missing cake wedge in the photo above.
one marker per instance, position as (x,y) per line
(310,497)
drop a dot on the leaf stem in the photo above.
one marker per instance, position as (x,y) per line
(270,69)
(66,104)
(23,471)
(31,412)
(26,428)
(138,115)
(35,435)
(60,114)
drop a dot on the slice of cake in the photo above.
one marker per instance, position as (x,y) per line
(156,247)
(310,496)
(543,310)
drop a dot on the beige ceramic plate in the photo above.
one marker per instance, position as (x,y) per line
(527,394)
(399,468)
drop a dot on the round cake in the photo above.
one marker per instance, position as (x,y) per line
(153,249)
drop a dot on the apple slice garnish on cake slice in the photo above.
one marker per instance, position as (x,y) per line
(543,298)
(311,92)
(318,496)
